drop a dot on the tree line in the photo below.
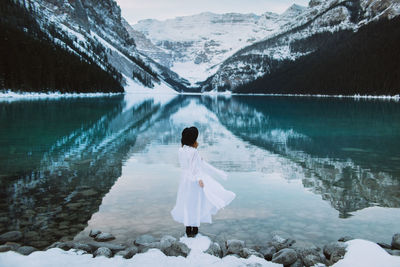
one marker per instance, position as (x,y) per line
(366,62)
(32,61)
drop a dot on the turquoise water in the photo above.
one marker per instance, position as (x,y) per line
(314,169)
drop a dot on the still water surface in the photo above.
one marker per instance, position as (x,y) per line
(313,169)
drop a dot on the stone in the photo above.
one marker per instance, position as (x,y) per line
(345,238)
(104,237)
(335,251)
(39,244)
(61,245)
(297,263)
(384,245)
(310,255)
(167,241)
(234,246)
(5,248)
(285,256)
(247,252)
(394,252)
(26,250)
(177,249)
(280,243)
(103,251)
(113,247)
(144,240)
(396,241)
(84,247)
(128,253)
(311,260)
(14,246)
(268,252)
(93,233)
(214,249)
(10,236)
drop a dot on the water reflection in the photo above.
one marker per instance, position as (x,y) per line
(349,149)
(111,161)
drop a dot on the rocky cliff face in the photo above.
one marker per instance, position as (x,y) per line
(260,58)
(96,29)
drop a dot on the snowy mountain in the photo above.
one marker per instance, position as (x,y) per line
(95,29)
(194,46)
(305,27)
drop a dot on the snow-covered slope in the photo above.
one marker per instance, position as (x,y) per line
(193,46)
(95,29)
(261,57)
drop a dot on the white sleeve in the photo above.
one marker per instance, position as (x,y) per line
(200,165)
(195,166)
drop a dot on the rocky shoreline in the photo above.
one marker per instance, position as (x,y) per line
(280,250)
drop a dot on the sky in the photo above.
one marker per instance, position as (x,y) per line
(135,10)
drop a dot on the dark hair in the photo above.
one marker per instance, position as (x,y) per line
(189,136)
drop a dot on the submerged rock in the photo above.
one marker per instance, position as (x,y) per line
(144,240)
(286,256)
(234,246)
(104,237)
(10,236)
(396,241)
(26,250)
(103,251)
(94,233)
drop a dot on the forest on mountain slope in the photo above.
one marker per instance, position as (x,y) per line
(366,62)
(32,61)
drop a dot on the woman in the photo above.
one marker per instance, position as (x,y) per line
(199,195)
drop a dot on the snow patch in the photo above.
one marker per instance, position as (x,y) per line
(10,96)
(363,253)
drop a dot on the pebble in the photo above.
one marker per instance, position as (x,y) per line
(396,241)
(103,251)
(26,250)
(104,237)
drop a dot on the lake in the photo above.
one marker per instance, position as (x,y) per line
(314,169)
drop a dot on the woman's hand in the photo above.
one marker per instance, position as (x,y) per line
(201,184)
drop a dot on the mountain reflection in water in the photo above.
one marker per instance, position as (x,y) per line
(59,158)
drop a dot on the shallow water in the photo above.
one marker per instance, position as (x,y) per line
(313,169)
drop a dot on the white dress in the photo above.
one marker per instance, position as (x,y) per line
(195,205)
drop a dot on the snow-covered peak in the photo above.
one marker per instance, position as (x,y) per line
(193,46)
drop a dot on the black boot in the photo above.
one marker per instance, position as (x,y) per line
(195,231)
(189,231)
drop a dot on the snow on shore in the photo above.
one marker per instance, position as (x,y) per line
(363,253)
(360,253)
(153,257)
(9,96)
